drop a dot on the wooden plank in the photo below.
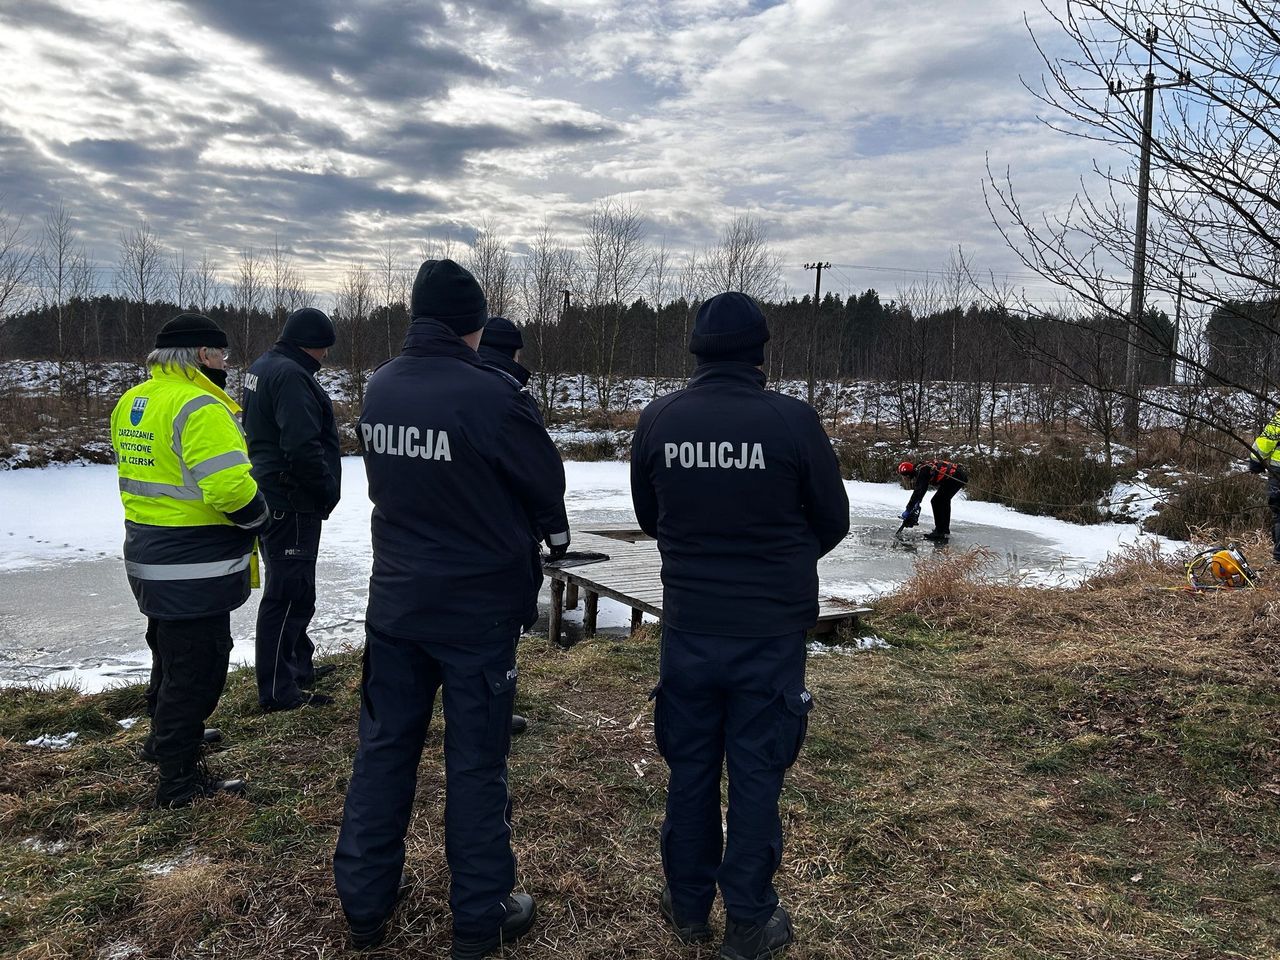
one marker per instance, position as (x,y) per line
(632,576)
(554,621)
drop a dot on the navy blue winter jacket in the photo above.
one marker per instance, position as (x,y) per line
(292,435)
(500,361)
(464,482)
(741,488)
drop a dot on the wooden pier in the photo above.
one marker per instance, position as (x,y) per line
(632,577)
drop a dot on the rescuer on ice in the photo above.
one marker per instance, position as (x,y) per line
(949,479)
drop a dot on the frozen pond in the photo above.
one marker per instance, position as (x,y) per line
(66,612)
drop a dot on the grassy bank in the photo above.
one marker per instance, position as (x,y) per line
(1023,773)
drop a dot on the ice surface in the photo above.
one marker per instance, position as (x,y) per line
(66,614)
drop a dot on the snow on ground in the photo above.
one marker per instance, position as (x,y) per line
(68,513)
(57,516)
(49,741)
(1134,499)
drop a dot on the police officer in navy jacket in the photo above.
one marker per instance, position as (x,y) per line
(742,491)
(293,444)
(500,348)
(464,482)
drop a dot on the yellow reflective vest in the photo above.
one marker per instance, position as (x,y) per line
(191,505)
(1264,448)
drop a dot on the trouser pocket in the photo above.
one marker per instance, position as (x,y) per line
(793,725)
(501,685)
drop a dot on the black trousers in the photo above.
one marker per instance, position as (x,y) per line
(283,651)
(188,671)
(941,504)
(740,702)
(401,678)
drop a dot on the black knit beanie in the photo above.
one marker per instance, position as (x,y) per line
(309,327)
(729,326)
(447,292)
(191,330)
(502,335)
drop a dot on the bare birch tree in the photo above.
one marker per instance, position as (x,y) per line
(489,261)
(541,284)
(742,260)
(57,256)
(615,262)
(206,287)
(141,278)
(248,290)
(353,317)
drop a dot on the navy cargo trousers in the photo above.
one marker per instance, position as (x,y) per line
(401,678)
(740,700)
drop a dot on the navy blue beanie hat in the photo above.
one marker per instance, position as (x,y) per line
(191,330)
(729,326)
(449,293)
(502,335)
(309,327)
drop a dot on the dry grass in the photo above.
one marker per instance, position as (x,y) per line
(1026,773)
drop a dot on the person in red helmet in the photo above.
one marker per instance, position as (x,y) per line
(948,477)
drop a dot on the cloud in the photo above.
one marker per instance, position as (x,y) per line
(853,131)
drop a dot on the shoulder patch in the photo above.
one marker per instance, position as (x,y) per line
(137,410)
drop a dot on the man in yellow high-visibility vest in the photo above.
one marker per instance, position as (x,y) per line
(191,512)
(1266,456)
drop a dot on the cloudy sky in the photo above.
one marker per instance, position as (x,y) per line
(856,130)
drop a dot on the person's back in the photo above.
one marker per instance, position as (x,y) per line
(744,516)
(743,493)
(293,443)
(464,481)
(456,489)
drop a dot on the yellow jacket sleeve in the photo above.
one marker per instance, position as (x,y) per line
(214,453)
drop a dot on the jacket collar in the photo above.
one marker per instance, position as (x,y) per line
(728,371)
(196,379)
(432,338)
(297,355)
(498,359)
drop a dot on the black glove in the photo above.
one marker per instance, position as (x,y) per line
(1256,465)
(556,551)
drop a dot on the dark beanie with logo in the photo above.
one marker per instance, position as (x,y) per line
(502,335)
(449,293)
(191,330)
(309,327)
(729,326)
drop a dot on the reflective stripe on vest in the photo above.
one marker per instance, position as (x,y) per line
(185,571)
(146,488)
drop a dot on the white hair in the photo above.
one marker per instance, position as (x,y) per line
(184,358)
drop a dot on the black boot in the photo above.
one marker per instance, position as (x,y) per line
(751,941)
(689,931)
(306,700)
(366,936)
(937,537)
(212,737)
(319,672)
(521,913)
(186,779)
(518,723)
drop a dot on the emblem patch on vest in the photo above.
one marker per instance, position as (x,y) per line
(135,412)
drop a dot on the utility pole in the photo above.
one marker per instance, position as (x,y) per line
(811,353)
(1138,293)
